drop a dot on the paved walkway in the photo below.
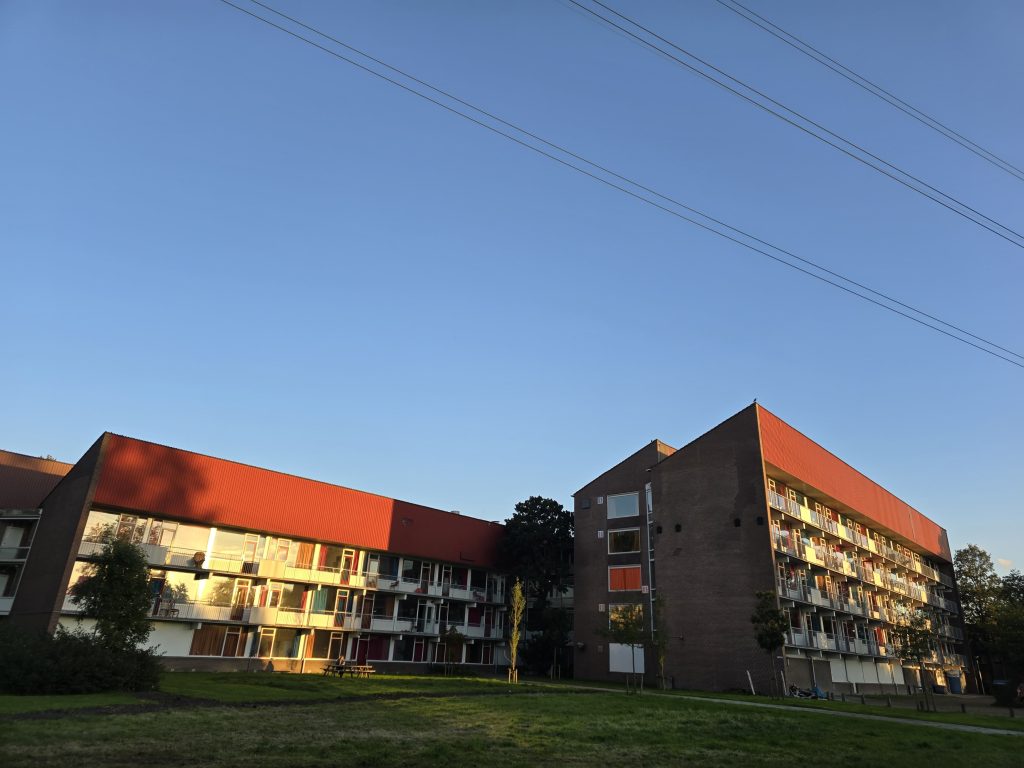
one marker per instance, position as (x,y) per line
(811,710)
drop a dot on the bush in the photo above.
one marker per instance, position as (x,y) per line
(71,662)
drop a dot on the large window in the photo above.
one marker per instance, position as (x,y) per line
(623,541)
(623,505)
(623,578)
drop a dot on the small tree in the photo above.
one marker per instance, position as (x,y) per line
(115,593)
(659,638)
(453,642)
(912,639)
(518,609)
(770,626)
(626,627)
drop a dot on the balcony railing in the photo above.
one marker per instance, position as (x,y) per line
(13,554)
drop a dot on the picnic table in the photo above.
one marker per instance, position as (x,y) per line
(341,668)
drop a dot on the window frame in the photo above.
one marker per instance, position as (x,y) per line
(611,533)
(608,505)
(640,578)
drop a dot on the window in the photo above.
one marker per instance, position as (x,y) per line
(625,615)
(208,640)
(623,505)
(625,540)
(623,578)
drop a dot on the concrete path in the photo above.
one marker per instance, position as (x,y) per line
(809,710)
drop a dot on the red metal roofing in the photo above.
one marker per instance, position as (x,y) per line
(153,478)
(801,457)
(26,480)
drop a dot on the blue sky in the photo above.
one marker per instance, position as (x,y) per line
(218,238)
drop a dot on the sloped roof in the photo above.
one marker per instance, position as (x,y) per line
(25,480)
(793,452)
(144,476)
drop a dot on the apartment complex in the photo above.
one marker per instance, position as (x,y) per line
(24,480)
(248,566)
(754,505)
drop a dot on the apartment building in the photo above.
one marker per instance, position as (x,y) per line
(24,480)
(754,505)
(253,567)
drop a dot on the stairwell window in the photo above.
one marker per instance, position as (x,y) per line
(623,541)
(623,505)
(624,578)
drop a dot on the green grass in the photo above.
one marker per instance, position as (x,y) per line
(902,710)
(239,687)
(10,705)
(540,726)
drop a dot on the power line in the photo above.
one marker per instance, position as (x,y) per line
(612,184)
(873,88)
(925,189)
(619,176)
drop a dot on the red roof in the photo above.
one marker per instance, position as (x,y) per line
(26,480)
(142,476)
(801,457)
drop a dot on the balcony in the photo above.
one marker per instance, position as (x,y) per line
(13,554)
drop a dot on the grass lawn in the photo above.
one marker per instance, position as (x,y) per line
(255,687)
(537,727)
(902,711)
(10,705)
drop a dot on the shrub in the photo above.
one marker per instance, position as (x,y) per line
(71,662)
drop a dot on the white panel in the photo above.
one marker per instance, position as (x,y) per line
(171,639)
(838,672)
(71,624)
(620,659)
(897,674)
(870,671)
(884,670)
(855,671)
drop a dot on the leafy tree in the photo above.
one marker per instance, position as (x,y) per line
(115,593)
(1012,588)
(912,639)
(770,626)
(544,649)
(453,641)
(516,620)
(978,584)
(1006,629)
(537,546)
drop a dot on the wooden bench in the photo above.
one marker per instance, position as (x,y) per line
(361,670)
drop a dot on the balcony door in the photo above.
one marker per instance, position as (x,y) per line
(249,549)
(240,598)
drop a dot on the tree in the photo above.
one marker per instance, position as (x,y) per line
(453,641)
(544,649)
(115,593)
(1006,629)
(913,641)
(626,626)
(516,619)
(537,546)
(770,626)
(978,584)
